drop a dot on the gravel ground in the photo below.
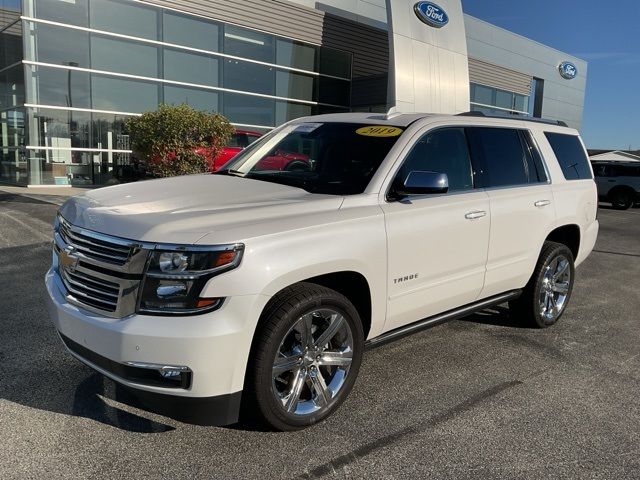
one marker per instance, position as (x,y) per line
(473,398)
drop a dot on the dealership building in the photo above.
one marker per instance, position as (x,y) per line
(72,71)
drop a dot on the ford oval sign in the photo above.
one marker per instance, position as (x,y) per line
(431,14)
(568,70)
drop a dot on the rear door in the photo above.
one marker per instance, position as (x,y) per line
(511,171)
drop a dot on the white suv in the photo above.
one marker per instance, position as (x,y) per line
(265,285)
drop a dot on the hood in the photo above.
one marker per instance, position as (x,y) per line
(184,209)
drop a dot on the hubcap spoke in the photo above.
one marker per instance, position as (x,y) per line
(334,327)
(562,288)
(285,364)
(333,358)
(303,327)
(323,395)
(560,271)
(291,400)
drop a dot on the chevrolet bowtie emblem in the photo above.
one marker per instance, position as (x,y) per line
(67,260)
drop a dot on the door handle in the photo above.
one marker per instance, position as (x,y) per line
(542,203)
(476,214)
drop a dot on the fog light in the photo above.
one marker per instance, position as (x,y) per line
(171,290)
(170,373)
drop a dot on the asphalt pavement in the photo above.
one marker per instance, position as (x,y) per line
(474,398)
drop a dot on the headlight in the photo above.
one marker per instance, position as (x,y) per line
(175,279)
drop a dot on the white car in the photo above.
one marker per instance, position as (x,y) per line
(618,183)
(265,286)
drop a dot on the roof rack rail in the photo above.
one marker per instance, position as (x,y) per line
(521,118)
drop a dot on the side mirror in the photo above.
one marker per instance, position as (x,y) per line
(423,183)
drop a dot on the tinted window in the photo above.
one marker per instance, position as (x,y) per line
(296,54)
(74,13)
(190,67)
(242,42)
(123,95)
(499,156)
(190,32)
(249,77)
(199,99)
(442,151)
(122,56)
(124,17)
(331,158)
(59,45)
(570,154)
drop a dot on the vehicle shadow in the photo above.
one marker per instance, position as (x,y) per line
(499,316)
(35,370)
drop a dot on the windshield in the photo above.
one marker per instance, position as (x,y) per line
(329,158)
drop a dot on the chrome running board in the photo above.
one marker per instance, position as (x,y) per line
(442,317)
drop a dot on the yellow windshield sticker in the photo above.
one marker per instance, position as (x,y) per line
(379,131)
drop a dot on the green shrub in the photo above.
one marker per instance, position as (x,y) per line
(177,139)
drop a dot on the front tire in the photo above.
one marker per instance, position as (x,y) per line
(306,356)
(545,298)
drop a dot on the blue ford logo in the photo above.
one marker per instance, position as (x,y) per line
(431,14)
(568,70)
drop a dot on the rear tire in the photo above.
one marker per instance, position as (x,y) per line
(545,297)
(622,199)
(305,358)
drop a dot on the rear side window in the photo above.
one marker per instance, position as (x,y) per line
(570,154)
(499,157)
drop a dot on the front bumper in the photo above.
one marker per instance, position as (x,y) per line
(214,346)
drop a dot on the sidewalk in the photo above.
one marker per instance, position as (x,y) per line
(56,195)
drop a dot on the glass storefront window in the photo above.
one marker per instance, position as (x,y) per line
(295,85)
(122,56)
(189,67)
(334,92)
(286,111)
(521,103)
(482,94)
(494,101)
(123,95)
(124,17)
(59,129)
(51,44)
(47,167)
(11,45)
(294,54)
(12,129)
(12,87)
(74,12)
(249,77)
(190,32)
(206,100)
(58,86)
(335,62)
(246,43)
(249,110)
(504,99)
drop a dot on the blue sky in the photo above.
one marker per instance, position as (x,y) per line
(604,33)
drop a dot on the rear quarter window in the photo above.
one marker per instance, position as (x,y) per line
(571,155)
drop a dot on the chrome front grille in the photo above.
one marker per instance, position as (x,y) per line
(98,247)
(90,290)
(99,272)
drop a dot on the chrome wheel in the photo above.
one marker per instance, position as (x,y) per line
(554,290)
(312,362)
